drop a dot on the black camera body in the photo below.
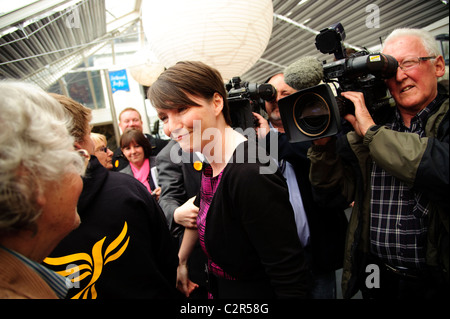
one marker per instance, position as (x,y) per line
(362,72)
(245,98)
(319,109)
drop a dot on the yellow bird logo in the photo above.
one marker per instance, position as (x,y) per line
(81,266)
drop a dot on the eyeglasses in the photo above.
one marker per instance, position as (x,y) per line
(411,62)
(103,149)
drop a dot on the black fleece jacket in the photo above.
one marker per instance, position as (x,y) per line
(122,248)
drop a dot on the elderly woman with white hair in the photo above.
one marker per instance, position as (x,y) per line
(39,188)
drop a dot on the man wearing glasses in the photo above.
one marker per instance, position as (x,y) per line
(398,175)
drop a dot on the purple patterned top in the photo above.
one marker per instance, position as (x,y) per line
(208,188)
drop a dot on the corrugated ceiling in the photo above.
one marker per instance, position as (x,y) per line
(46,42)
(290,42)
(49,38)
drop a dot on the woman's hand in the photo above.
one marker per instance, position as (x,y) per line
(156,193)
(184,284)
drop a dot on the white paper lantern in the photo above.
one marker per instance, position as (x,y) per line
(230,35)
(145,67)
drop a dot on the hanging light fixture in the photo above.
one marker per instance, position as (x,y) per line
(229,35)
(145,67)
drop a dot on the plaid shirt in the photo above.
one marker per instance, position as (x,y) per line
(399,214)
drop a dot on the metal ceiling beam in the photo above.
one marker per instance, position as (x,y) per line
(49,74)
(123,21)
(29,12)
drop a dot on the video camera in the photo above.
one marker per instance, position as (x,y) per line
(245,98)
(315,112)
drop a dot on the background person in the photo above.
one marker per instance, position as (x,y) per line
(320,227)
(137,149)
(40,185)
(245,222)
(130,118)
(101,150)
(397,173)
(180,183)
(123,248)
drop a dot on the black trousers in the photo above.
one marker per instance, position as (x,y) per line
(425,284)
(221,288)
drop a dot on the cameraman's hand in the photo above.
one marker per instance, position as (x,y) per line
(186,214)
(362,120)
(263,128)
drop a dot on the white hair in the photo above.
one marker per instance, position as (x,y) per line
(35,148)
(428,40)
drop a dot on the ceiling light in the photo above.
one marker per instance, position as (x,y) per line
(227,35)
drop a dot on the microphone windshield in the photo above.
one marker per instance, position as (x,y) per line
(304,73)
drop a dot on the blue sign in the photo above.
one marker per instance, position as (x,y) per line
(119,80)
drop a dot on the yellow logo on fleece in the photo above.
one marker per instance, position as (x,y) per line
(90,267)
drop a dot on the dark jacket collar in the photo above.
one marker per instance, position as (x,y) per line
(95,177)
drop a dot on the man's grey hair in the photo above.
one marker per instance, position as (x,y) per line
(428,40)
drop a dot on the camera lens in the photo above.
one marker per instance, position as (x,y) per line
(311,114)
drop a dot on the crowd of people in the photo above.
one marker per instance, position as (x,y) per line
(203,216)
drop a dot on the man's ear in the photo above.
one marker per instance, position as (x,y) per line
(439,65)
(77,146)
(41,200)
